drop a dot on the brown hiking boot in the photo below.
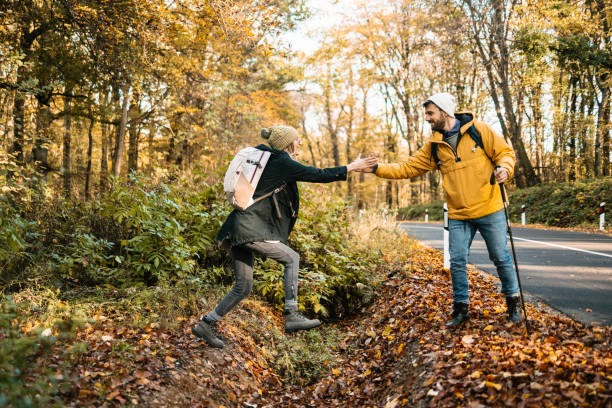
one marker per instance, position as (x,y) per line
(207,330)
(295,321)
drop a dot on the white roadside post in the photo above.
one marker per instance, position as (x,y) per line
(523,214)
(426,215)
(446,251)
(602,216)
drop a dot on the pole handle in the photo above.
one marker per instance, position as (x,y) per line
(501,185)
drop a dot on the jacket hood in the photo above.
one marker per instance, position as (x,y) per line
(267,148)
(466,119)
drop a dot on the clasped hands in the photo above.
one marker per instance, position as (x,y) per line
(362,165)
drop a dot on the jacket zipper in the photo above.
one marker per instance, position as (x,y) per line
(457,158)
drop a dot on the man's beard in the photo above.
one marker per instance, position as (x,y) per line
(438,126)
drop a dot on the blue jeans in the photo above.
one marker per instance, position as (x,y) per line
(492,227)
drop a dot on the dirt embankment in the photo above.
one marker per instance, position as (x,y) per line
(398,352)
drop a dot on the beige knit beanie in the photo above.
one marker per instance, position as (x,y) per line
(279,137)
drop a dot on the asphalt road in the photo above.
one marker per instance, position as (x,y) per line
(569,271)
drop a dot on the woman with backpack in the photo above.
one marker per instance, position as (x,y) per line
(264,227)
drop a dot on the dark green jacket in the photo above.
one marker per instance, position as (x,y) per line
(260,221)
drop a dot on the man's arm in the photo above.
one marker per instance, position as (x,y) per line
(414,166)
(497,148)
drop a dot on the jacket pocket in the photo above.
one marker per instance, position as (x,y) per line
(454,181)
(467,184)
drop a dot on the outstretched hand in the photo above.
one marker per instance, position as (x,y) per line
(363,165)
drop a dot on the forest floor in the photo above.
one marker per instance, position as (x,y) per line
(395,352)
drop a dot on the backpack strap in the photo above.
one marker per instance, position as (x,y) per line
(434,155)
(273,194)
(474,134)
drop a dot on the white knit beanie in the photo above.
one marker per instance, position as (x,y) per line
(444,101)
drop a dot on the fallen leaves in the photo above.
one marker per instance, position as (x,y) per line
(413,357)
(467,339)
(397,353)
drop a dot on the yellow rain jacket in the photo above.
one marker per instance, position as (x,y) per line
(466,174)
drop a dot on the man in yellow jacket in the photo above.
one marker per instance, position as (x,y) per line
(473,203)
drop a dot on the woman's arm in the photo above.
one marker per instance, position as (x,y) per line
(296,171)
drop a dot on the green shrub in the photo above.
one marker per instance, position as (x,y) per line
(562,204)
(137,234)
(331,263)
(417,211)
(15,232)
(18,351)
(559,205)
(141,233)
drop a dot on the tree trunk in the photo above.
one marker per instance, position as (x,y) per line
(536,108)
(133,148)
(43,124)
(120,145)
(151,151)
(104,156)
(389,194)
(496,59)
(573,130)
(18,129)
(586,142)
(349,142)
(66,155)
(331,127)
(601,10)
(360,203)
(134,134)
(602,136)
(605,168)
(89,152)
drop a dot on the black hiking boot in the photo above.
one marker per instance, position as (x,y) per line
(514,314)
(460,315)
(295,321)
(207,330)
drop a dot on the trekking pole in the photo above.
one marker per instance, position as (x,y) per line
(516,268)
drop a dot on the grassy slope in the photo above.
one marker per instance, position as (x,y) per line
(558,205)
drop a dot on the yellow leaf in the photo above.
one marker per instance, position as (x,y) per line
(400,348)
(335,371)
(428,382)
(493,385)
(459,395)
(489,327)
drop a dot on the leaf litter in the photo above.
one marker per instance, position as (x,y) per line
(396,352)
